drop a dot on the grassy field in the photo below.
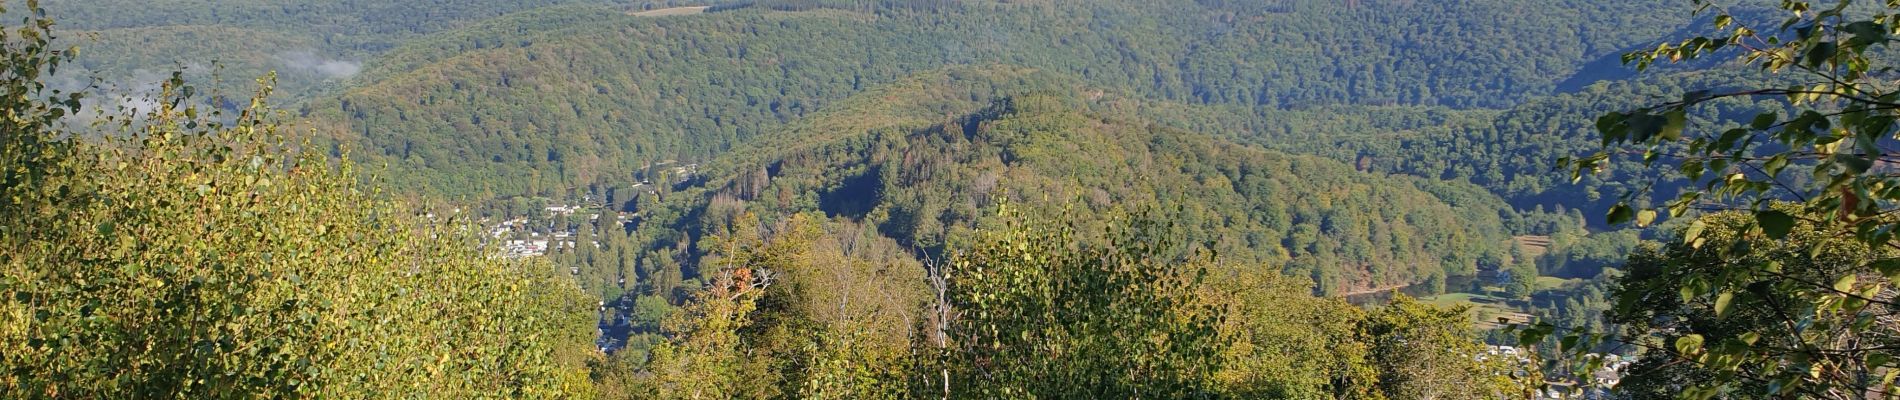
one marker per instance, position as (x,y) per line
(1551,282)
(665,12)
(1485,310)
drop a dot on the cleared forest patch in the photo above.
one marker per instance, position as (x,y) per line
(672,11)
(1534,246)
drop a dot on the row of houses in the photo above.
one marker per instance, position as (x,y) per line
(1595,386)
(518,239)
(513,245)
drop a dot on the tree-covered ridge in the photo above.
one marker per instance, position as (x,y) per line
(535,90)
(815,297)
(134,62)
(307,44)
(1509,152)
(924,183)
(311,46)
(348,25)
(798,199)
(1293,54)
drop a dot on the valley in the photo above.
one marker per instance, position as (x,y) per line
(1381,199)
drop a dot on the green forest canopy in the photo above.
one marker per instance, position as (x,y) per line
(1353,146)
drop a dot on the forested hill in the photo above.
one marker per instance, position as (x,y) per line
(359,25)
(921,161)
(130,45)
(560,98)
(951,199)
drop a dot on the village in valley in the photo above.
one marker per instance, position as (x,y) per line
(534,226)
(520,238)
(588,224)
(1609,369)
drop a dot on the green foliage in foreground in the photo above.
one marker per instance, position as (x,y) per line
(1802,316)
(1787,291)
(1037,308)
(1117,321)
(187,255)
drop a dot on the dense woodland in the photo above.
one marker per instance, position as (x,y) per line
(590,94)
(950,198)
(923,184)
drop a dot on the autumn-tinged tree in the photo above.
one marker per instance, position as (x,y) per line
(709,359)
(711,354)
(179,253)
(1286,343)
(1427,352)
(1041,314)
